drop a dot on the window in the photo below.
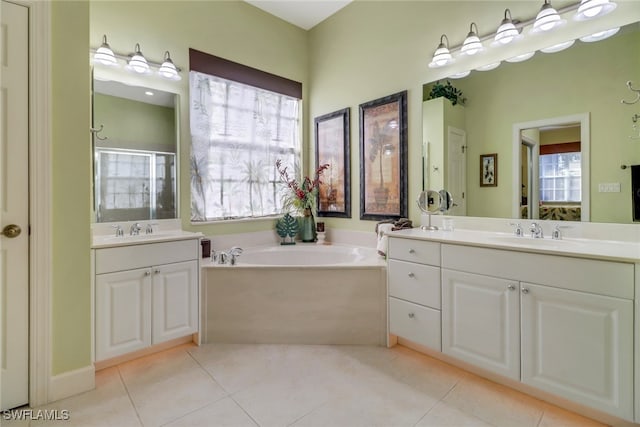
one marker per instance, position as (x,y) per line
(560,177)
(126,181)
(238,131)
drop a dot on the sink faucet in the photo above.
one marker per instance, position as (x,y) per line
(119,231)
(518,229)
(536,231)
(149,228)
(557,233)
(135,229)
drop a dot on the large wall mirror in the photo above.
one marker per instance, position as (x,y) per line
(568,101)
(135,152)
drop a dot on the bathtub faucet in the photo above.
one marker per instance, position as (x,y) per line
(226,257)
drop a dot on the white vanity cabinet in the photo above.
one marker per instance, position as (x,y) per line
(580,346)
(566,323)
(481,321)
(413,274)
(145,294)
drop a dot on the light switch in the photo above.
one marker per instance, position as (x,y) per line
(613,187)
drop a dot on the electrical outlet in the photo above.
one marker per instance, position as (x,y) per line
(613,187)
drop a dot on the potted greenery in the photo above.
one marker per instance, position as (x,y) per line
(447,90)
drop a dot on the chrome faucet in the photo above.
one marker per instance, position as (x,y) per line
(226,257)
(119,231)
(149,228)
(557,233)
(518,229)
(135,229)
(536,231)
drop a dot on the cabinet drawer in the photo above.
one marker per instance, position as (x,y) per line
(609,278)
(414,282)
(414,250)
(137,256)
(415,323)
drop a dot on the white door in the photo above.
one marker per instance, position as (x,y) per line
(14,206)
(481,321)
(123,312)
(457,170)
(579,346)
(175,301)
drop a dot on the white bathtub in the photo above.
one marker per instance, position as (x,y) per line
(298,294)
(309,255)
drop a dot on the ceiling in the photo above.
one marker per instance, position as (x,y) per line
(303,13)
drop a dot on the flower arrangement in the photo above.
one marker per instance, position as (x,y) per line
(303,194)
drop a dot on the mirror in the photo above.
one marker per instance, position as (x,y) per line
(135,150)
(430,202)
(586,79)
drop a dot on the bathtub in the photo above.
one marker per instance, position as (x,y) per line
(298,294)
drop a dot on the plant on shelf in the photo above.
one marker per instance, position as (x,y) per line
(448,91)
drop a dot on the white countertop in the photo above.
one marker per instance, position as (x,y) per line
(109,241)
(584,248)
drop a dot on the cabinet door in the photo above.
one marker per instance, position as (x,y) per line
(123,315)
(481,321)
(175,301)
(579,346)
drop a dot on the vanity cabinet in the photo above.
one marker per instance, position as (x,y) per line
(481,321)
(413,274)
(144,295)
(561,324)
(579,345)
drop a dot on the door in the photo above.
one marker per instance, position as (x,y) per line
(123,312)
(14,207)
(579,346)
(175,301)
(481,321)
(457,170)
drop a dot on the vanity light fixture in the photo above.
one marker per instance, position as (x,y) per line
(589,9)
(104,54)
(442,56)
(600,35)
(472,43)
(558,47)
(138,63)
(507,31)
(521,57)
(547,19)
(168,70)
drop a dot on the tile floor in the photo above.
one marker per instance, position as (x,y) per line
(295,385)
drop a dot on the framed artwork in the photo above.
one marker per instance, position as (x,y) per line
(383,158)
(488,170)
(333,147)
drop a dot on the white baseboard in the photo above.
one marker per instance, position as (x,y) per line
(72,382)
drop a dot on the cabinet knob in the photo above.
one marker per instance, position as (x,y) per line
(412,251)
(147,273)
(411,315)
(411,275)
(525,290)
(511,287)
(156,271)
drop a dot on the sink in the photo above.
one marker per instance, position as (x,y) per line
(546,242)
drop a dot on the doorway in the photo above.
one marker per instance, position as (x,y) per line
(14,208)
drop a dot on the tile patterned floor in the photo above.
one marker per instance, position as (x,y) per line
(300,386)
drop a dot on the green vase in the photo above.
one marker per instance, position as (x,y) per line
(308,227)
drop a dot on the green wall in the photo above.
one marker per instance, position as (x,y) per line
(71,187)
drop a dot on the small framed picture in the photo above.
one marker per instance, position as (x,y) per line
(489,170)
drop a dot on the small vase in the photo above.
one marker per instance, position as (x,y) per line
(308,227)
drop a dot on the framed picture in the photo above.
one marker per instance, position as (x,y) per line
(488,170)
(383,158)
(333,147)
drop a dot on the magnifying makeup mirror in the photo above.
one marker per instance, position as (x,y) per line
(429,202)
